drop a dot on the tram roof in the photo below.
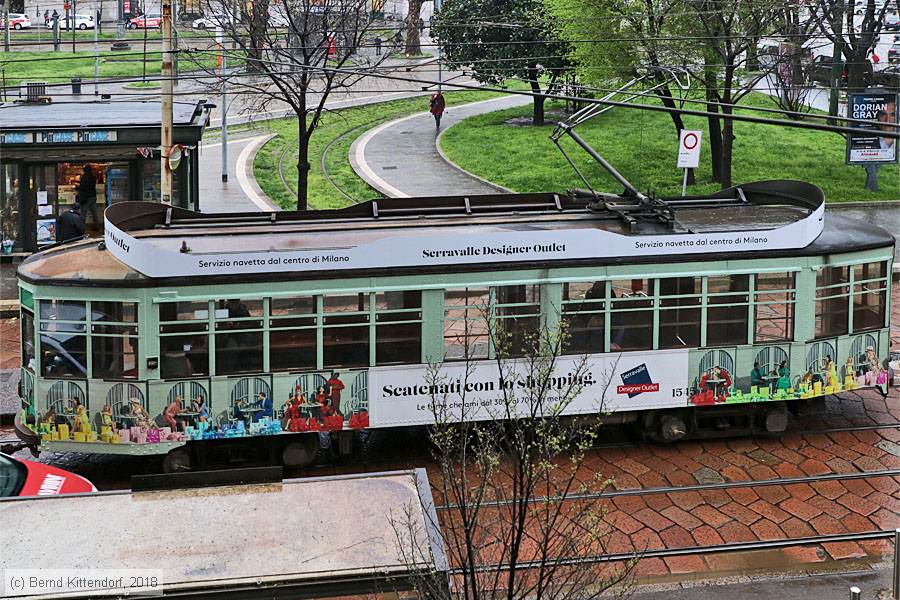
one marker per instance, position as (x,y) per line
(397,225)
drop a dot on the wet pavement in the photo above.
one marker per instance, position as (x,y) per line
(886,214)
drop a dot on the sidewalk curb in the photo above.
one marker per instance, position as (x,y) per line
(446,159)
(247,180)
(366,173)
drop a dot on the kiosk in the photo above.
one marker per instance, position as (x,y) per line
(44,148)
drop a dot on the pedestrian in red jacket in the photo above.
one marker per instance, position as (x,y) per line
(437,108)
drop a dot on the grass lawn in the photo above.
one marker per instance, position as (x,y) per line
(642,145)
(144,85)
(339,129)
(59,67)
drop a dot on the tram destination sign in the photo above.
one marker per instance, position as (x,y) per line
(165,257)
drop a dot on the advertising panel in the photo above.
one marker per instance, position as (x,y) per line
(632,380)
(872,149)
(164,257)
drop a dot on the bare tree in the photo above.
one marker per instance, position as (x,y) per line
(855,43)
(510,479)
(725,34)
(295,53)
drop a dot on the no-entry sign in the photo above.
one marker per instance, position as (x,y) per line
(689,149)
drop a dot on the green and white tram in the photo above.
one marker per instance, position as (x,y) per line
(183,329)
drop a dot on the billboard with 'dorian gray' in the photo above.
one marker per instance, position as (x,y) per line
(872,148)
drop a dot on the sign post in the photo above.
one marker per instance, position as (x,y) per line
(870,149)
(688,153)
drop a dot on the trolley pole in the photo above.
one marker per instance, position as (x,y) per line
(220,40)
(166,91)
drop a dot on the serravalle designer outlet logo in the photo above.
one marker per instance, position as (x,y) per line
(637,381)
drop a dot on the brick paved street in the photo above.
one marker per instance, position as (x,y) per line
(681,519)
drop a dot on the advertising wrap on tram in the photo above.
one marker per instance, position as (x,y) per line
(396,396)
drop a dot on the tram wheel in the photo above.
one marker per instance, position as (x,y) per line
(301,452)
(776,420)
(177,461)
(672,428)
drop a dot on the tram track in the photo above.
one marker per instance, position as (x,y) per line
(700,487)
(691,550)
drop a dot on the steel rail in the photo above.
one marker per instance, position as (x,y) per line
(675,489)
(714,549)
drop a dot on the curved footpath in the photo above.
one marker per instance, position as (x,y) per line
(401,158)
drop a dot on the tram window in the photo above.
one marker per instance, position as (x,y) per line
(236,308)
(346,303)
(827,276)
(174,312)
(184,311)
(869,271)
(292,349)
(466,323)
(344,310)
(345,347)
(114,357)
(728,310)
(832,310)
(27,337)
(517,318)
(773,307)
(631,314)
(679,314)
(584,319)
(398,343)
(114,312)
(184,356)
(238,314)
(869,308)
(63,355)
(404,300)
(63,310)
(239,352)
(398,330)
(287,307)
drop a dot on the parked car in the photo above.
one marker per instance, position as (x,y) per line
(892,22)
(17,21)
(29,478)
(187,18)
(819,71)
(210,21)
(894,53)
(81,22)
(148,21)
(888,77)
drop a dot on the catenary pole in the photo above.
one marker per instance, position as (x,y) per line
(96,50)
(435,9)
(837,59)
(220,40)
(165,169)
